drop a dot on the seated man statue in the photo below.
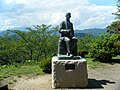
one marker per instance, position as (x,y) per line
(67,42)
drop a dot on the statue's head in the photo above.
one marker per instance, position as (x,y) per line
(68,15)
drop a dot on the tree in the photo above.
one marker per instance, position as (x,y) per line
(107,45)
(114,28)
(118,10)
(84,44)
(37,43)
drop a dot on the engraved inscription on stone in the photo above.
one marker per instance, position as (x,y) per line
(69,67)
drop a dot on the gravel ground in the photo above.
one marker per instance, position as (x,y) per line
(106,78)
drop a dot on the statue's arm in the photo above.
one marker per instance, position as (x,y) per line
(72,30)
(61,27)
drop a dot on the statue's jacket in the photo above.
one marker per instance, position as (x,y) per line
(68,26)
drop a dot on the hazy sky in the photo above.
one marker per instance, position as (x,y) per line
(85,13)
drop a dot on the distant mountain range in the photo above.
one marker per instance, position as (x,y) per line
(93,31)
(78,33)
(2,32)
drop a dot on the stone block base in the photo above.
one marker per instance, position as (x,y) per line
(69,73)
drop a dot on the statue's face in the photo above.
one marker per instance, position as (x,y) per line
(68,16)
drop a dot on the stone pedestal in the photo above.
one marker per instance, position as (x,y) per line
(69,73)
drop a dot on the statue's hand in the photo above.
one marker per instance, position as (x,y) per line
(65,30)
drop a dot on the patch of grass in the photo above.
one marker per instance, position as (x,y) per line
(94,64)
(18,70)
(117,57)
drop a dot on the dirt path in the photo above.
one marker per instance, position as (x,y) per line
(107,78)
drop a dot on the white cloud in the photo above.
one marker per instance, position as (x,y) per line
(97,17)
(84,14)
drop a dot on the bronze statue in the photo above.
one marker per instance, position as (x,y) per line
(67,42)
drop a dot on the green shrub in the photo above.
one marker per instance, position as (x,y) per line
(82,53)
(103,48)
(45,64)
(104,57)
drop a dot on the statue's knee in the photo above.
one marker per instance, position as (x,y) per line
(66,39)
(61,39)
(74,40)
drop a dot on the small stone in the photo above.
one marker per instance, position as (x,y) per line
(3,86)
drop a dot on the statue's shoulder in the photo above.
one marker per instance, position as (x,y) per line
(63,22)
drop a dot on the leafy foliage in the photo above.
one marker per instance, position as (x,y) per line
(39,42)
(117,13)
(115,26)
(46,64)
(104,47)
(108,45)
(84,44)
